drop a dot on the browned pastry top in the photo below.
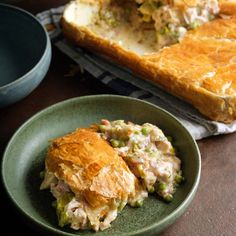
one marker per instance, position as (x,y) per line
(91,167)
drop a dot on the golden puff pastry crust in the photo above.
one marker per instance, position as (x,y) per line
(91,168)
(218,29)
(227,7)
(200,69)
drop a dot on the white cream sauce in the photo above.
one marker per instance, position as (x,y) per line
(83,14)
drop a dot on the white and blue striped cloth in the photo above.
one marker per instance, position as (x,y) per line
(122,81)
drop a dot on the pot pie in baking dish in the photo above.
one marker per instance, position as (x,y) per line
(94,172)
(186,47)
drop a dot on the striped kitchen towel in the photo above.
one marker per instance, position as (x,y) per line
(122,81)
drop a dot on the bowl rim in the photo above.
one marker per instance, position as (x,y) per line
(178,211)
(45,52)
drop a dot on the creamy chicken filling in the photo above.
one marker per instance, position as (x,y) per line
(142,26)
(172,18)
(118,20)
(77,213)
(148,153)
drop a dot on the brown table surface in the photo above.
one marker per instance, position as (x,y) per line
(213,210)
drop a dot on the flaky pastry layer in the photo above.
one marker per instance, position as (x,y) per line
(91,168)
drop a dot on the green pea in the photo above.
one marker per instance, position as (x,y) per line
(194,25)
(168,198)
(164,30)
(121,143)
(121,206)
(138,203)
(161,186)
(151,189)
(102,128)
(179,179)
(145,130)
(115,143)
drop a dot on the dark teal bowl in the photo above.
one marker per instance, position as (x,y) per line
(25,154)
(25,54)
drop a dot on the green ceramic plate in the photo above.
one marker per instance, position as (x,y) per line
(24,159)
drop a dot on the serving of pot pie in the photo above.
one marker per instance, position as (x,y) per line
(89,180)
(94,172)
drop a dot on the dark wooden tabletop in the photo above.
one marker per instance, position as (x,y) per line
(213,210)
